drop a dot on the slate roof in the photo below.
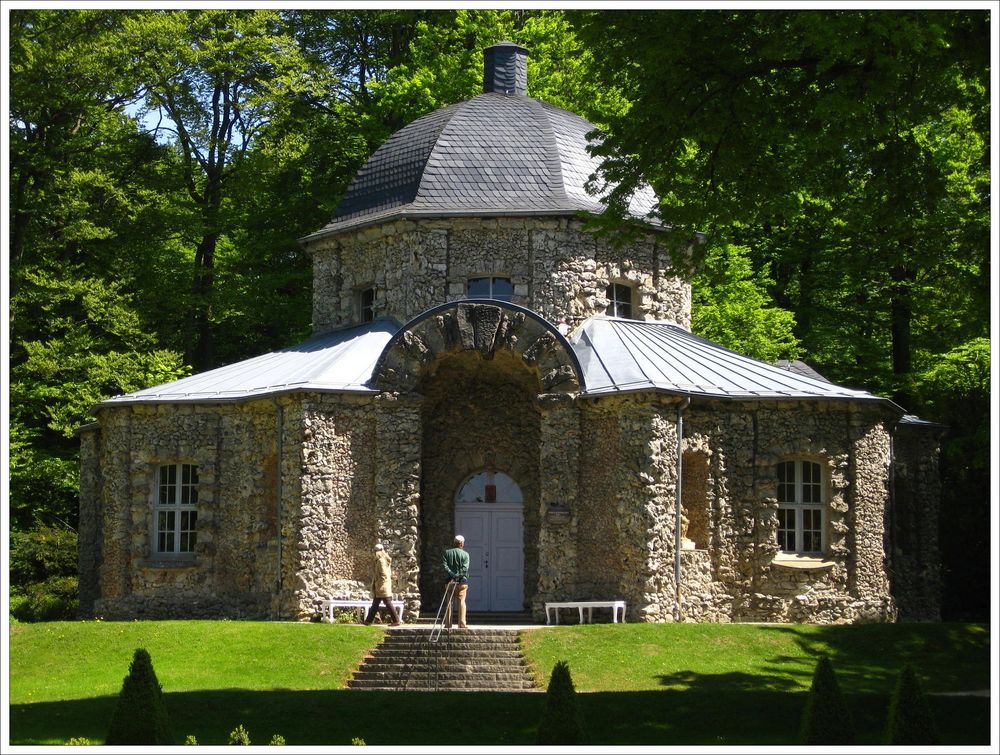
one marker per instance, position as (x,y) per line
(339,361)
(615,356)
(494,154)
(619,355)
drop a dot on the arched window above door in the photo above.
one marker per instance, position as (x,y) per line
(489,487)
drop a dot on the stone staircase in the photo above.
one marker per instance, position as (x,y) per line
(475,659)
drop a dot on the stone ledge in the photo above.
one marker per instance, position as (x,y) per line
(808,563)
(163,564)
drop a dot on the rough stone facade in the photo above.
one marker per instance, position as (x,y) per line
(557,268)
(293,490)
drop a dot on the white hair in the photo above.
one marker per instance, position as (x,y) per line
(459,539)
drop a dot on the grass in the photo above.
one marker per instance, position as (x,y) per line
(649,684)
(763,657)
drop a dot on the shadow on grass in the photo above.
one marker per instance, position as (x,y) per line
(706,713)
(868,657)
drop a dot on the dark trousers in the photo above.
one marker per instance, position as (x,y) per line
(388,604)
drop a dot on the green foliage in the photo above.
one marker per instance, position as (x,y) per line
(239,736)
(52,599)
(731,306)
(190,739)
(358,741)
(826,720)
(43,568)
(40,553)
(561,722)
(910,720)
(79,741)
(276,739)
(140,717)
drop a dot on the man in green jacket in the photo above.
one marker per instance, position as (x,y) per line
(456,567)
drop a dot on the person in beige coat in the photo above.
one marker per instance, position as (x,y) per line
(382,586)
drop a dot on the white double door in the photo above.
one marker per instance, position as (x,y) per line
(494,539)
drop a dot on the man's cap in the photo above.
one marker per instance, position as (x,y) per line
(459,539)
(379,546)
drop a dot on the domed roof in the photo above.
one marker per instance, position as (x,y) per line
(499,153)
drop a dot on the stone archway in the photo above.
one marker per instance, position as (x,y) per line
(478,369)
(483,328)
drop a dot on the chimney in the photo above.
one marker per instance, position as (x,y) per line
(505,69)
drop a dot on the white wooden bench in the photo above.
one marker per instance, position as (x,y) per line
(365,603)
(590,605)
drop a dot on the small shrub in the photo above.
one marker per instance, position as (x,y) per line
(910,721)
(239,736)
(190,739)
(345,616)
(55,599)
(79,741)
(140,717)
(358,741)
(41,553)
(826,720)
(277,739)
(561,722)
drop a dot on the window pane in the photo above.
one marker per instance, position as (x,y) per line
(786,529)
(503,289)
(812,530)
(619,300)
(786,471)
(479,288)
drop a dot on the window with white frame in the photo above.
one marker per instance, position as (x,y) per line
(365,298)
(619,300)
(490,288)
(176,511)
(801,510)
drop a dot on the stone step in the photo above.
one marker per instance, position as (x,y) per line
(444,676)
(464,659)
(455,654)
(436,666)
(452,646)
(434,687)
(479,631)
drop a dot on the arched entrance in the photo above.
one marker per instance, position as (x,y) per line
(489,513)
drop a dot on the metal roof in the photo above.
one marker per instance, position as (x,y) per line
(615,356)
(620,355)
(339,361)
(494,154)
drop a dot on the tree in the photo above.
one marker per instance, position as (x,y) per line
(561,722)
(85,219)
(844,138)
(910,721)
(214,79)
(140,716)
(730,306)
(825,719)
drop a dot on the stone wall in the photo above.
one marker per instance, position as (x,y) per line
(730,569)
(335,523)
(233,571)
(915,563)
(557,268)
(628,475)
(744,444)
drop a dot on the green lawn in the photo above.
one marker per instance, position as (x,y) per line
(645,684)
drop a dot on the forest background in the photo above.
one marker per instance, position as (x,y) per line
(163,165)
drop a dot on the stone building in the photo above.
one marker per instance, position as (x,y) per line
(483,363)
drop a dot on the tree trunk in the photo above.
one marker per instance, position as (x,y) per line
(901,319)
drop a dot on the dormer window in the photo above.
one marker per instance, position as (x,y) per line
(490,288)
(365,301)
(619,300)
